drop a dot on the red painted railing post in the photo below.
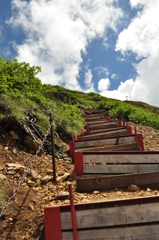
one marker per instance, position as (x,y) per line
(119,122)
(139,141)
(75,237)
(87,128)
(73,142)
(78,163)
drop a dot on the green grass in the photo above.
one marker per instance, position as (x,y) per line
(21,92)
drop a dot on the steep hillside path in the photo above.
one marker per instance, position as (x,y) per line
(25,216)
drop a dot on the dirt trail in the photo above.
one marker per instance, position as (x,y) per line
(24,218)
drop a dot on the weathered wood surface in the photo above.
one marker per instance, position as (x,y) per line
(109,141)
(111,128)
(92,115)
(104,183)
(105,133)
(102,120)
(106,124)
(122,168)
(106,148)
(122,158)
(113,216)
(121,132)
(150,232)
(104,128)
(93,119)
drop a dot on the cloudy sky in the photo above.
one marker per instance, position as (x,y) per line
(105,46)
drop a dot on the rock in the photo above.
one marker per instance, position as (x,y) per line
(34,174)
(31,183)
(133,188)
(96,192)
(119,193)
(62,178)
(62,196)
(1,168)
(15,166)
(46,179)
(17,175)
(104,195)
(149,190)
(31,144)
(6,148)
(49,171)
(14,135)
(38,182)
(61,173)
(10,219)
(11,172)
(116,189)
(30,207)
(14,151)
(2,177)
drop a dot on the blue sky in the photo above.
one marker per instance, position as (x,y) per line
(105,46)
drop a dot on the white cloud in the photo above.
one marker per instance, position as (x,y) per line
(142,38)
(89,85)
(124,89)
(57,32)
(114,76)
(102,70)
(142,35)
(103,84)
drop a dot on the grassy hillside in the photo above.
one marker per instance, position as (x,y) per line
(21,92)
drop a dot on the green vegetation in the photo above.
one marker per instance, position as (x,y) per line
(21,92)
(140,115)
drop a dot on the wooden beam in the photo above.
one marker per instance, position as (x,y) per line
(122,158)
(106,124)
(105,134)
(113,216)
(106,141)
(118,181)
(121,147)
(107,128)
(102,120)
(122,168)
(150,232)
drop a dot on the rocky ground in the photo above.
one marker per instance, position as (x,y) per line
(24,217)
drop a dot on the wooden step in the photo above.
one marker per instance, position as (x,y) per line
(105,141)
(135,218)
(105,134)
(97,182)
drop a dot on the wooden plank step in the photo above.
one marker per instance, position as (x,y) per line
(93,118)
(101,125)
(121,158)
(99,121)
(106,128)
(116,133)
(117,130)
(120,169)
(121,147)
(129,233)
(104,141)
(92,115)
(104,183)
(135,218)
(115,216)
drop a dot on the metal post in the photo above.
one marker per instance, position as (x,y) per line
(53,148)
(75,237)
